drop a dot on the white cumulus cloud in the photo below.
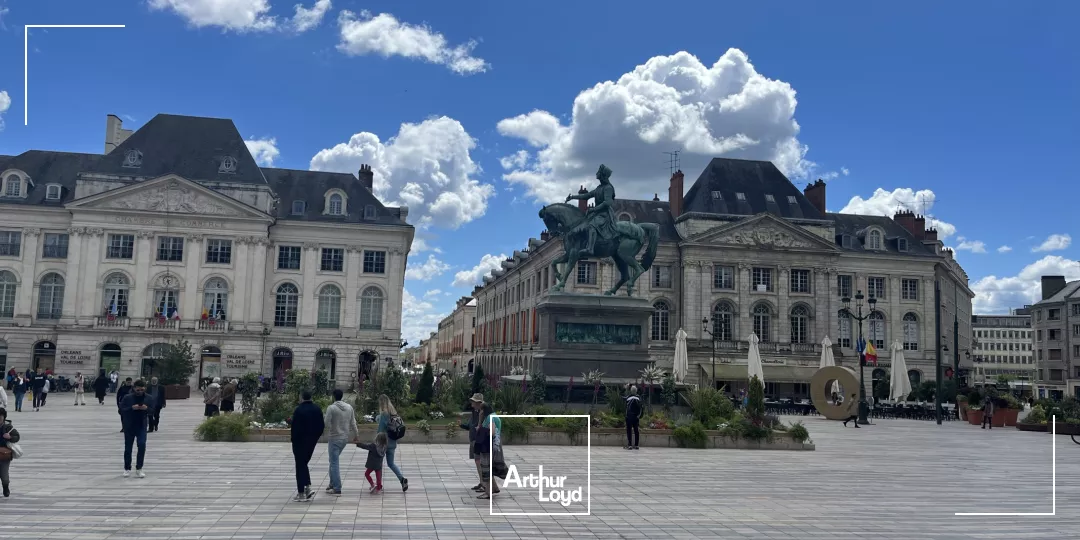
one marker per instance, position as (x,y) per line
(426,270)
(5,104)
(418,318)
(426,166)
(886,203)
(668,103)
(1054,242)
(999,294)
(242,15)
(307,18)
(1004,249)
(472,276)
(265,151)
(385,35)
(974,246)
(432,293)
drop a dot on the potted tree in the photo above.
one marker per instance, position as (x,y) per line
(176,369)
(974,407)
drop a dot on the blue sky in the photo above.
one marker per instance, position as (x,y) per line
(467,110)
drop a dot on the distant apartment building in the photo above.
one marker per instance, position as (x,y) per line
(1003,346)
(1056,321)
(456,340)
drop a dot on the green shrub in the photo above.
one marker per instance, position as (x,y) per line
(516,429)
(708,405)
(691,436)
(425,393)
(249,392)
(451,430)
(669,393)
(226,427)
(297,381)
(616,402)
(755,403)
(1037,415)
(609,420)
(798,432)
(537,388)
(509,399)
(657,420)
(323,402)
(423,427)
(390,381)
(754,431)
(275,408)
(320,383)
(479,383)
(573,427)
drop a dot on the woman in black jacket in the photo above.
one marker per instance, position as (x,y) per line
(8,434)
(101,387)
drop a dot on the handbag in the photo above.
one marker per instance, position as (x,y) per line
(6,454)
(15,449)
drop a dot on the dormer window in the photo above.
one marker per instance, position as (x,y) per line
(717,196)
(769,198)
(901,244)
(52,192)
(298,208)
(791,199)
(335,203)
(228,165)
(874,240)
(132,159)
(740,196)
(13,186)
(845,241)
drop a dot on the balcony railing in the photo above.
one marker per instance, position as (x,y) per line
(211,325)
(805,348)
(157,323)
(111,322)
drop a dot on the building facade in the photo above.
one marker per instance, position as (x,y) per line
(1056,321)
(1003,346)
(745,251)
(177,232)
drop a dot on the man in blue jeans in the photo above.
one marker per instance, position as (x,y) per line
(134,410)
(340,421)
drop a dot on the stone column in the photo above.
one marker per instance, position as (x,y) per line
(29,278)
(86,297)
(256,288)
(783,306)
(351,294)
(395,285)
(141,293)
(927,321)
(705,270)
(239,295)
(191,306)
(832,305)
(309,297)
(821,302)
(894,327)
(742,283)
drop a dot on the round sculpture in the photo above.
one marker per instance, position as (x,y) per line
(819,391)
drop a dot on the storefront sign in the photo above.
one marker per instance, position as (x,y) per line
(69,357)
(775,361)
(194,224)
(238,361)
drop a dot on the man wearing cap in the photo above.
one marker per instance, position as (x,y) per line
(477,402)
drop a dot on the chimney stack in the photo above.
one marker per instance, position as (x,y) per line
(1052,285)
(675,194)
(114,132)
(582,204)
(906,219)
(930,235)
(545,236)
(815,193)
(367,177)
(919,229)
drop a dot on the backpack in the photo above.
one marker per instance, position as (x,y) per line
(395,428)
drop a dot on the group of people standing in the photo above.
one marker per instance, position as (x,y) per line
(36,383)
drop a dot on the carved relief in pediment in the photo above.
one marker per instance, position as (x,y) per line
(764,236)
(172,197)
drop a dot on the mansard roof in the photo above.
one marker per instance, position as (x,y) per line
(741,186)
(311,186)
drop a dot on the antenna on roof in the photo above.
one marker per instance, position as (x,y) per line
(673,161)
(922,202)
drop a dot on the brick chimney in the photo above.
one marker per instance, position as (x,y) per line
(919,229)
(545,236)
(930,235)
(816,194)
(582,204)
(675,194)
(367,177)
(906,219)
(1052,285)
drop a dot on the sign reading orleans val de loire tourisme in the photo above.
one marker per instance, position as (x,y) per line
(69,357)
(238,362)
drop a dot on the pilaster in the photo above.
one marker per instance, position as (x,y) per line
(238,296)
(782,319)
(141,297)
(29,258)
(742,283)
(190,306)
(86,296)
(309,296)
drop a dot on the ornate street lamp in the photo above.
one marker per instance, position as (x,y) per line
(705,328)
(864,408)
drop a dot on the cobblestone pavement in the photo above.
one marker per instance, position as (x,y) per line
(898,480)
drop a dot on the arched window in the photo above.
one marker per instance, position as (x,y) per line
(109,357)
(371,309)
(13,187)
(762,322)
(117,288)
(800,324)
(51,297)
(215,299)
(878,377)
(723,321)
(286,305)
(845,328)
(915,377)
(877,330)
(329,307)
(335,205)
(8,285)
(167,297)
(660,321)
(911,332)
(151,357)
(326,359)
(873,239)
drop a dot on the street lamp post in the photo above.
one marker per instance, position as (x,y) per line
(864,408)
(705,328)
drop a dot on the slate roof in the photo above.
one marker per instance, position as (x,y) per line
(1070,291)
(46,167)
(311,187)
(717,189)
(856,225)
(650,212)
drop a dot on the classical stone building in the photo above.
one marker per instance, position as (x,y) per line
(455,336)
(1003,347)
(176,231)
(1056,321)
(745,251)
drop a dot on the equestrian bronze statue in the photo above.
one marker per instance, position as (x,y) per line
(597,234)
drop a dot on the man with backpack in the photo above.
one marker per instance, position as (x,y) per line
(307,427)
(634,411)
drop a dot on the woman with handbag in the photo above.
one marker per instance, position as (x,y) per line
(488,440)
(9,449)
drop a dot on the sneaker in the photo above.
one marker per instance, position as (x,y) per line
(336,492)
(127,474)
(404,484)
(330,489)
(140,474)
(308,494)
(299,498)
(636,448)
(373,490)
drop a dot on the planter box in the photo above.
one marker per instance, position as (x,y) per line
(961,405)
(975,418)
(1065,429)
(1032,427)
(998,419)
(1010,416)
(177,391)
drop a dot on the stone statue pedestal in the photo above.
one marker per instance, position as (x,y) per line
(580,333)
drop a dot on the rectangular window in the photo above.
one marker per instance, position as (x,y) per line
(661,277)
(52,192)
(333,260)
(909,289)
(761,279)
(55,247)
(1076,329)
(170,248)
(1053,314)
(1053,334)
(374,262)
(120,246)
(901,244)
(1053,354)
(1076,310)
(10,243)
(14,187)
(875,287)
(843,286)
(724,277)
(845,241)
(586,273)
(288,257)
(800,281)
(218,251)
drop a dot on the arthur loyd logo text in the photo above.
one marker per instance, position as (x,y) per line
(548,488)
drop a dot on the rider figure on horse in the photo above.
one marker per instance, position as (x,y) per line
(599,220)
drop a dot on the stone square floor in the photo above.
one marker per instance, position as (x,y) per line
(895,480)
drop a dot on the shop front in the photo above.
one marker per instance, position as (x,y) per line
(782,381)
(109,358)
(209,362)
(44,356)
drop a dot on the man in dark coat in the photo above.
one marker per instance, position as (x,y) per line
(124,390)
(37,384)
(156,391)
(307,426)
(134,411)
(477,404)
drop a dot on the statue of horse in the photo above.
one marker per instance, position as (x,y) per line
(623,248)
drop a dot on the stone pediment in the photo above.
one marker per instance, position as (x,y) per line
(171,194)
(765,232)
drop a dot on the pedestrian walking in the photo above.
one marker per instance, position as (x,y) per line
(3,397)
(212,398)
(852,410)
(37,383)
(114,379)
(488,438)
(45,388)
(477,403)
(340,421)
(228,397)
(121,392)
(306,428)
(634,410)
(19,389)
(394,428)
(376,452)
(78,387)
(988,412)
(101,387)
(9,436)
(156,391)
(134,410)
